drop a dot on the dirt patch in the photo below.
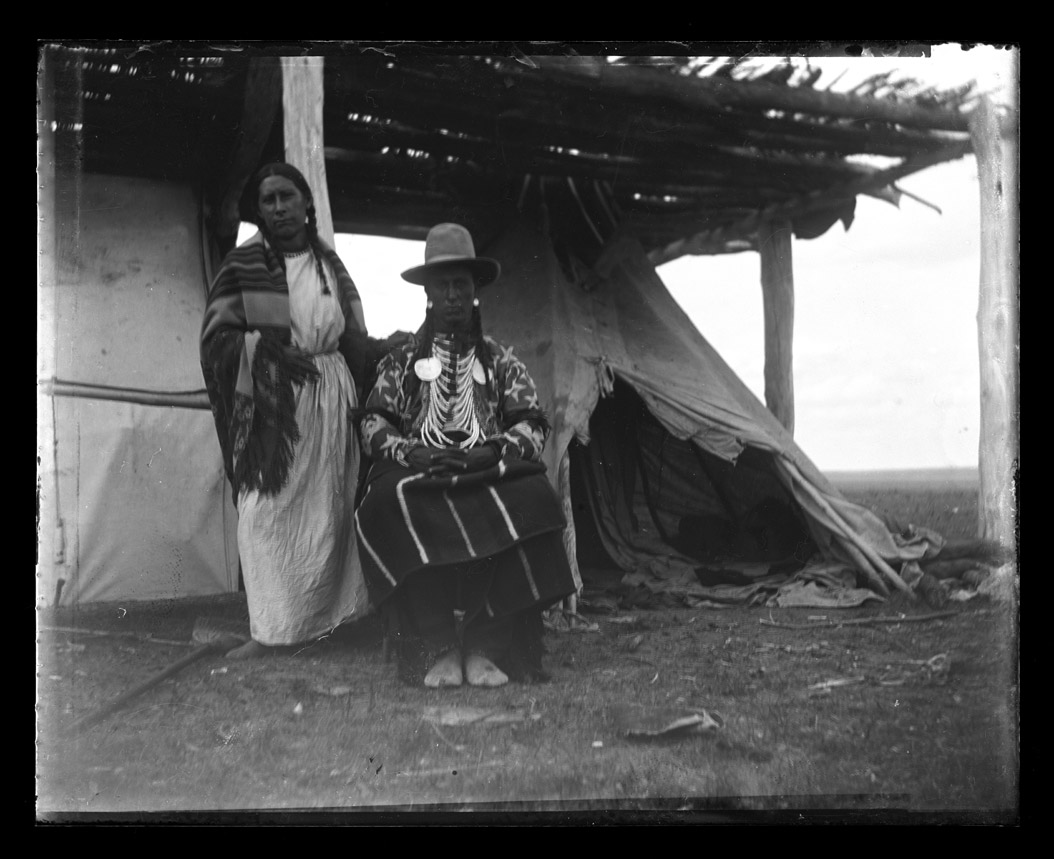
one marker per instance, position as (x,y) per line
(912,717)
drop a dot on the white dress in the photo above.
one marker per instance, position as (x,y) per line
(298,549)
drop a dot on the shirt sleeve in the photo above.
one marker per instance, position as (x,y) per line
(525,428)
(380,435)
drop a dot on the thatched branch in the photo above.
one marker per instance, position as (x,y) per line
(709,93)
(813,201)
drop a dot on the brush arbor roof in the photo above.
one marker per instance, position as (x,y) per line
(689,154)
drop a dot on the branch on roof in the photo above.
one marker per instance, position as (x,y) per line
(892,194)
(919,199)
(414,139)
(664,165)
(570,118)
(810,203)
(718,93)
(888,194)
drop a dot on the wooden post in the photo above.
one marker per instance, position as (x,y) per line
(997,321)
(302,111)
(777,286)
(50,549)
(263,94)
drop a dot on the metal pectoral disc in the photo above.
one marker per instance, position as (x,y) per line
(428,369)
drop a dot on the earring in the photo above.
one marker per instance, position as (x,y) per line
(430,304)
(475,302)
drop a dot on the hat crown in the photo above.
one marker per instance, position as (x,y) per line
(448,242)
(451,244)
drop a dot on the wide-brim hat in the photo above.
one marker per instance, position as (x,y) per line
(451,244)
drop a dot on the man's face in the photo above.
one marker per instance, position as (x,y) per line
(451,289)
(284,211)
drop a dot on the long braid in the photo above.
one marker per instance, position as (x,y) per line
(316,246)
(482,352)
(423,350)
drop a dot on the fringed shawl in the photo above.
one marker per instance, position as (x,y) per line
(250,379)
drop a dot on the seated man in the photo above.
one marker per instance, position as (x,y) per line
(460,532)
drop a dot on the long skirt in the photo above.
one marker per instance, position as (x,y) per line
(467,561)
(298,549)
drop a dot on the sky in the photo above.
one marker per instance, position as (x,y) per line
(886,371)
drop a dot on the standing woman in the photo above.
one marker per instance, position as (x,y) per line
(283,350)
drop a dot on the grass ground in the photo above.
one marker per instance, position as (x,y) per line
(913,720)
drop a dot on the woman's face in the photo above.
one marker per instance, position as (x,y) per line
(283,209)
(451,290)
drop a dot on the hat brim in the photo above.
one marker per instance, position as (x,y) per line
(484,269)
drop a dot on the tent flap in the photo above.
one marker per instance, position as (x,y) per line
(675,462)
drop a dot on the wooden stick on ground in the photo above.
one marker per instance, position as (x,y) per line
(210,637)
(859,621)
(138,636)
(96,716)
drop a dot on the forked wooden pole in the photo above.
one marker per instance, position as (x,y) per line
(302,102)
(997,322)
(777,287)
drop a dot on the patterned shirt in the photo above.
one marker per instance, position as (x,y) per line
(508,409)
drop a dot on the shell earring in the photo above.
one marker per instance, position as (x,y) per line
(430,304)
(475,302)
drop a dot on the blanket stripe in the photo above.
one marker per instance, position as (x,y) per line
(527,571)
(400,490)
(507,519)
(460,524)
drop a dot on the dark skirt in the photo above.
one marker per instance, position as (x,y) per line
(467,561)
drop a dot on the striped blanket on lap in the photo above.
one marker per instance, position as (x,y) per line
(408,521)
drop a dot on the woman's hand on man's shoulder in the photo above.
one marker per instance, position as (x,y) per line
(399,338)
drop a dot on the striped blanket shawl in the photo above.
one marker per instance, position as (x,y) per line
(408,521)
(250,373)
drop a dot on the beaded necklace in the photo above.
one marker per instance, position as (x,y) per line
(451,396)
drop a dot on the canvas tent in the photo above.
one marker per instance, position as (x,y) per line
(650,425)
(578,172)
(142,509)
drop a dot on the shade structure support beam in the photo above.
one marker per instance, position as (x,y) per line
(50,545)
(777,287)
(997,323)
(263,97)
(302,104)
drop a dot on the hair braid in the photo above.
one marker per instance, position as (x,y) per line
(316,246)
(482,352)
(423,350)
